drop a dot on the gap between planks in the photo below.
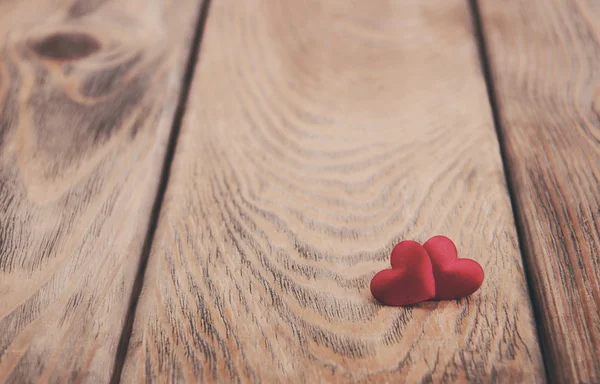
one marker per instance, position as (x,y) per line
(160,194)
(482,49)
(189,350)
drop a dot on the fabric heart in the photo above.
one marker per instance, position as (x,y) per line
(410,280)
(454,278)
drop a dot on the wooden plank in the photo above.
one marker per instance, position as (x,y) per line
(544,57)
(318,134)
(88,90)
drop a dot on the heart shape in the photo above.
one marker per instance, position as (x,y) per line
(454,278)
(410,280)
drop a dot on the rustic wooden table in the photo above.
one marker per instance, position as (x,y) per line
(195,192)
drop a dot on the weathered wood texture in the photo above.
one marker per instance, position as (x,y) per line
(544,57)
(318,134)
(88,90)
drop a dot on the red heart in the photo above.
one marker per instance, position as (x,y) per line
(410,280)
(454,278)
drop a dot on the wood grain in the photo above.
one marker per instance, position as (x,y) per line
(544,57)
(317,135)
(88,91)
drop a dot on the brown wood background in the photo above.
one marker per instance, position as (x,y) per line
(265,183)
(310,146)
(88,91)
(545,58)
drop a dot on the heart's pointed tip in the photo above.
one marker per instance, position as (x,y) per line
(382,282)
(395,287)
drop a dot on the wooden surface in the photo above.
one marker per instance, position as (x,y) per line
(317,135)
(545,57)
(87,95)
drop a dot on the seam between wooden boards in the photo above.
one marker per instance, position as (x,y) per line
(188,76)
(482,50)
(196,293)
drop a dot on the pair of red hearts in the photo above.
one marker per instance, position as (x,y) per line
(424,272)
